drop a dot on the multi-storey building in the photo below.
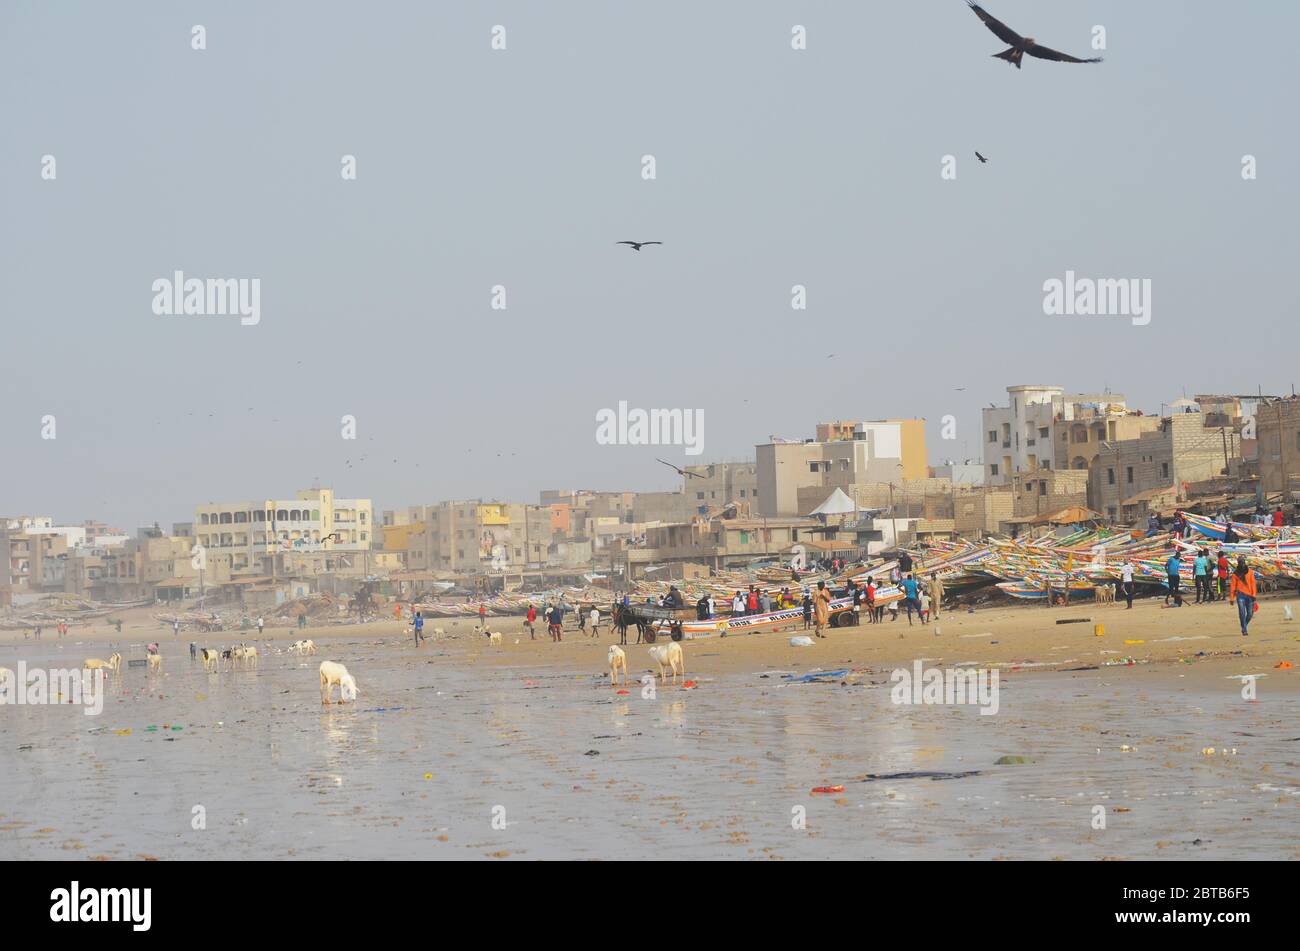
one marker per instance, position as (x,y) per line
(257,534)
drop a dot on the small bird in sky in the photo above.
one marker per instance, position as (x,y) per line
(983,160)
(678,470)
(638,245)
(1020,45)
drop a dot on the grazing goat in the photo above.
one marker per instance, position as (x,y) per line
(494,638)
(245,653)
(1104,594)
(155,663)
(303,647)
(439,632)
(211,658)
(113,663)
(669,654)
(332,673)
(617,661)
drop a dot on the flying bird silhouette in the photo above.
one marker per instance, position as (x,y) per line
(983,160)
(680,472)
(1020,45)
(638,245)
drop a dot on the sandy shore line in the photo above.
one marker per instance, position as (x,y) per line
(1015,639)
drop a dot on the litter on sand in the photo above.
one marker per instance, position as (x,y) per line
(934,775)
(817,677)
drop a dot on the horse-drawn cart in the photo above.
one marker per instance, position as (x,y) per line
(651,620)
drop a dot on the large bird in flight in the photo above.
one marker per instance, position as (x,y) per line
(1020,45)
(638,245)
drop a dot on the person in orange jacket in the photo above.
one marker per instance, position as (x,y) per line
(1243,590)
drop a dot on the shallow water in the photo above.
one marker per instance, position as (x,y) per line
(717,771)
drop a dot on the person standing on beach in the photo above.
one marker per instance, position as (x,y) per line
(1126,579)
(910,599)
(418,626)
(821,608)
(869,596)
(1201,571)
(482,616)
(557,623)
(737,605)
(1173,574)
(594,617)
(1224,570)
(530,620)
(1243,591)
(807,610)
(936,594)
(176,628)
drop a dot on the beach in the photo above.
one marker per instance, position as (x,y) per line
(458,749)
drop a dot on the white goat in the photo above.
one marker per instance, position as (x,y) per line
(669,655)
(617,661)
(332,673)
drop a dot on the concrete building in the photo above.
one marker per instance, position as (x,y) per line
(880,452)
(984,511)
(1048,490)
(471,537)
(257,534)
(1180,451)
(721,483)
(718,543)
(31,561)
(1277,426)
(1043,428)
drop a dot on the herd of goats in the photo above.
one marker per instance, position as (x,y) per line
(244,656)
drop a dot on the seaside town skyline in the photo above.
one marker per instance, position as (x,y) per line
(377,297)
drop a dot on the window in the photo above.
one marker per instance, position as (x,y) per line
(699,495)
(1110,476)
(1128,475)
(812,467)
(1042,488)
(1042,432)
(1164,470)
(993,435)
(993,469)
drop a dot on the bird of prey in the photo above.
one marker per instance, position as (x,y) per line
(638,245)
(1020,45)
(983,160)
(681,472)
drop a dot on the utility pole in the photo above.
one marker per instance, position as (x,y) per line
(1281,453)
(893,519)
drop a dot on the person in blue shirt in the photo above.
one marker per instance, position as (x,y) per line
(911,600)
(1201,569)
(1173,569)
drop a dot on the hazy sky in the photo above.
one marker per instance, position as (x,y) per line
(522,167)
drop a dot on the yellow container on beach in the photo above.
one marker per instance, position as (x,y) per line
(1099,630)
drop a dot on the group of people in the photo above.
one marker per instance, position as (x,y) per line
(1210,573)
(61,628)
(1215,580)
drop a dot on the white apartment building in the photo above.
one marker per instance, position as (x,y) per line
(314,520)
(1033,431)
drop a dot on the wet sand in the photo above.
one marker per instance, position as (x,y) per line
(460,750)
